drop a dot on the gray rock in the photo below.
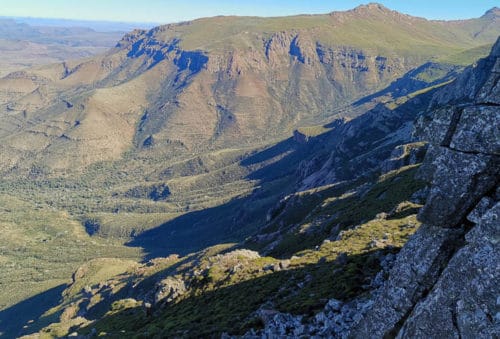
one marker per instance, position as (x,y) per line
(168,289)
(490,92)
(478,130)
(281,325)
(404,155)
(437,129)
(416,269)
(333,305)
(462,304)
(444,283)
(420,196)
(459,183)
(481,208)
(427,169)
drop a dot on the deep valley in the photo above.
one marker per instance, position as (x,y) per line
(256,177)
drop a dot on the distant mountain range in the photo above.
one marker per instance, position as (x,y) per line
(25,43)
(99,26)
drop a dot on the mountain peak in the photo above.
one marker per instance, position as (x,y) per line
(372,9)
(493,12)
(372,6)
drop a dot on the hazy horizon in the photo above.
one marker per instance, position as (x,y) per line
(165,11)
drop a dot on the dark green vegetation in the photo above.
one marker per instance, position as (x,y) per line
(39,249)
(179,139)
(226,287)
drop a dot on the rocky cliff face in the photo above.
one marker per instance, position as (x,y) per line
(214,83)
(446,280)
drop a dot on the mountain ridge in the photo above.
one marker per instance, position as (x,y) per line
(258,69)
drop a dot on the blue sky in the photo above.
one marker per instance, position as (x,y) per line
(164,11)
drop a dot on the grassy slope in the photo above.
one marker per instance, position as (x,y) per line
(217,184)
(98,199)
(39,249)
(226,287)
(382,31)
(468,56)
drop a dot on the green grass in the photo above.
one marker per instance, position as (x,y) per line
(342,210)
(432,38)
(219,304)
(467,57)
(227,286)
(313,131)
(394,104)
(40,248)
(42,212)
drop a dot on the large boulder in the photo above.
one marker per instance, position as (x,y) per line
(169,289)
(459,182)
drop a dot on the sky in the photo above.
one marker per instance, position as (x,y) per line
(166,11)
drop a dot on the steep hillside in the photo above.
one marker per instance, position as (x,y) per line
(240,288)
(165,107)
(287,136)
(449,287)
(444,283)
(336,263)
(217,83)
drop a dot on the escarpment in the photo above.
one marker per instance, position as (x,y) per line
(187,88)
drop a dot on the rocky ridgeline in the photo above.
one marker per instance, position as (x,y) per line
(445,282)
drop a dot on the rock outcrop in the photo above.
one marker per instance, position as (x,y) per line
(446,280)
(168,289)
(404,155)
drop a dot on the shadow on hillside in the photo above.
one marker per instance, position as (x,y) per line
(131,287)
(274,171)
(231,308)
(236,219)
(409,82)
(231,222)
(14,318)
(196,230)
(269,153)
